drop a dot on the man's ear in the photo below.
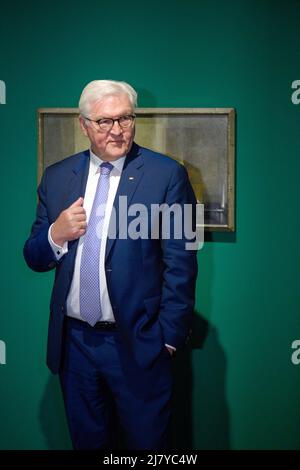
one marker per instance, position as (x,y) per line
(83,125)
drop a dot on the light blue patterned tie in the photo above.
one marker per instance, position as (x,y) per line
(90,306)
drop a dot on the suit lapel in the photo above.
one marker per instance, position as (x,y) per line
(130,178)
(77,184)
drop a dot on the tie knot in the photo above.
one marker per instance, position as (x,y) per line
(105,168)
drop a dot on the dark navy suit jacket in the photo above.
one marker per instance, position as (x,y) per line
(151,282)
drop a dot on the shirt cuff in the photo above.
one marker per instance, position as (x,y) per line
(59,251)
(169,346)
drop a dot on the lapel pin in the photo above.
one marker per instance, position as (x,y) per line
(131,178)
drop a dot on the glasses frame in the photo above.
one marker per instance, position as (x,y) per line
(133,116)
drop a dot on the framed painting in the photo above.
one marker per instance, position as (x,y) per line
(201,139)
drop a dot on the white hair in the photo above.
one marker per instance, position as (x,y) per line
(98,89)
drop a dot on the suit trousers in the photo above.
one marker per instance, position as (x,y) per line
(108,395)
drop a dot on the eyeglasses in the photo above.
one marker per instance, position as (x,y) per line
(107,123)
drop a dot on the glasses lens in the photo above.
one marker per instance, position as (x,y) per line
(126,121)
(105,124)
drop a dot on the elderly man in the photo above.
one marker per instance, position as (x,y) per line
(122,299)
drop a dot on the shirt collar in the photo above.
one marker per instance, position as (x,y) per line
(95,162)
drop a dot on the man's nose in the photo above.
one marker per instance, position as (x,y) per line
(116,128)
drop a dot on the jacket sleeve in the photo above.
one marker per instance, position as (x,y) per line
(180,265)
(37,251)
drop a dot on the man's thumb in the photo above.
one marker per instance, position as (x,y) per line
(78,202)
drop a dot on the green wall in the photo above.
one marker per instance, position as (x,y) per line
(241,390)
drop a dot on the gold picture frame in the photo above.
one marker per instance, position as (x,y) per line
(202,139)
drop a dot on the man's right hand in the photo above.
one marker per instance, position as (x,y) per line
(70,224)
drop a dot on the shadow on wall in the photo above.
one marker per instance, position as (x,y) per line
(52,417)
(200,400)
